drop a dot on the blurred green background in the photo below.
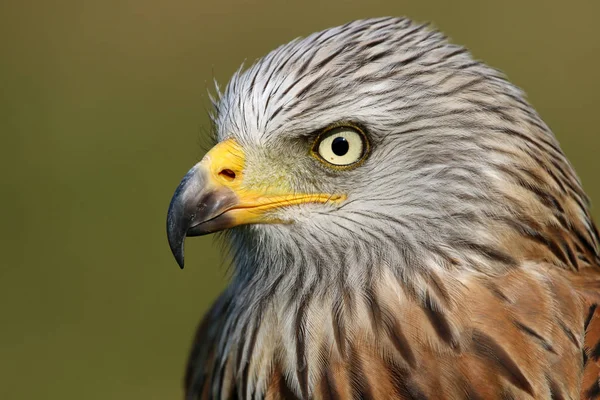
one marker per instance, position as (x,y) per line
(103,111)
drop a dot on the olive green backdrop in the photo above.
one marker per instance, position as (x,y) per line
(102,111)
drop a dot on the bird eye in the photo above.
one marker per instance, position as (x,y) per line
(342,146)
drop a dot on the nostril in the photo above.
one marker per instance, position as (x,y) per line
(227,174)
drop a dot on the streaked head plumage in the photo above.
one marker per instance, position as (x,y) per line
(443,129)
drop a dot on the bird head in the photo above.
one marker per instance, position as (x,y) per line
(375,140)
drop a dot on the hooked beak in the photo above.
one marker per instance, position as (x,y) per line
(212,197)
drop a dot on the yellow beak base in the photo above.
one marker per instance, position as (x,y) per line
(212,197)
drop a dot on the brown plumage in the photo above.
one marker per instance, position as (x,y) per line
(454,258)
(529,335)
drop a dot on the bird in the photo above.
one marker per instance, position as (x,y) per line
(401,224)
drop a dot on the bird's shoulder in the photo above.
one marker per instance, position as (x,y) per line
(587,284)
(522,333)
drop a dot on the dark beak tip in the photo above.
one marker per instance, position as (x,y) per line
(176,243)
(179,216)
(196,209)
(176,234)
(179,256)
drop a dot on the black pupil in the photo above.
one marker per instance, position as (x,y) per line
(339,146)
